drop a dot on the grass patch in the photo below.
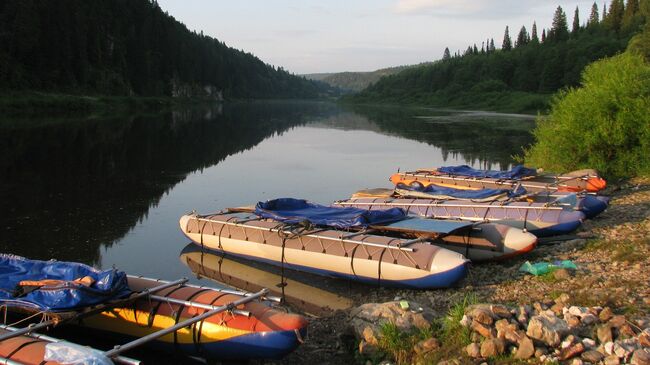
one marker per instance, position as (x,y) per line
(396,344)
(622,251)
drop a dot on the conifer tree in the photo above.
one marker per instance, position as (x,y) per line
(594,18)
(604,12)
(522,38)
(543,35)
(482,47)
(492,48)
(630,15)
(507,42)
(533,35)
(614,19)
(576,22)
(446,55)
(559,30)
(475,49)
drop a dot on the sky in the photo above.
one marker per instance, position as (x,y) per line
(310,36)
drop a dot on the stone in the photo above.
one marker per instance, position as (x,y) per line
(562,274)
(466,321)
(577,362)
(589,319)
(540,351)
(621,352)
(557,308)
(482,316)
(563,299)
(526,349)
(368,349)
(617,321)
(500,311)
(483,330)
(640,357)
(589,343)
(644,338)
(571,351)
(492,347)
(578,311)
(509,332)
(604,333)
(572,320)
(548,329)
(609,348)
(606,314)
(611,360)
(522,317)
(626,331)
(592,356)
(473,350)
(568,341)
(367,319)
(426,346)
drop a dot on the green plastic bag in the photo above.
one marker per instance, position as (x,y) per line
(541,268)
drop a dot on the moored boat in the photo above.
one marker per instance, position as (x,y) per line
(38,349)
(464,177)
(369,258)
(252,331)
(199,321)
(537,218)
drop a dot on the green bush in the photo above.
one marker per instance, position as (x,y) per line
(605,124)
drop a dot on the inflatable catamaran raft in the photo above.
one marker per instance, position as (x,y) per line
(383,246)
(466,177)
(198,321)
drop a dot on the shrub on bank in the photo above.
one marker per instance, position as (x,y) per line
(605,124)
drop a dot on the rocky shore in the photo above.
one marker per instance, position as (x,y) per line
(598,313)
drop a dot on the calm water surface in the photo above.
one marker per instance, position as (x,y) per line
(109,191)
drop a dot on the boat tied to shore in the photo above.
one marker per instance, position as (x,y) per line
(175,316)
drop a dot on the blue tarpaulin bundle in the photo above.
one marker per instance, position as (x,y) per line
(517,172)
(463,194)
(289,210)
(57,286)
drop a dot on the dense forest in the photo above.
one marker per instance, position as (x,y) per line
(128,47)
(523,72)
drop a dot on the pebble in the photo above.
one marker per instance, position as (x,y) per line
(592,356)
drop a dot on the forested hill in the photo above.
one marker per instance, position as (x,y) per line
(355,81)
(128,47)
(523,72)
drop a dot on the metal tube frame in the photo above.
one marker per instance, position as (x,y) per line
(343,240)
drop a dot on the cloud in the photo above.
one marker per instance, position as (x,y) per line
(488,9)
(437,6)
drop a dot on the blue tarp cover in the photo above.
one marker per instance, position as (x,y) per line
(108,284)
(465,194)
(291,210)
(517,172)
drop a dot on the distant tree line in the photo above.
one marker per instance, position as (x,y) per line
(128,47)
(533,63)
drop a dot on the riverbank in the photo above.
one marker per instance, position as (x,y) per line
(38,103)
(517,102)
(612,253)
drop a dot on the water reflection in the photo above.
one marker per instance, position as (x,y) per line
(480,138)
(109,190)
(69,185)
(308,293)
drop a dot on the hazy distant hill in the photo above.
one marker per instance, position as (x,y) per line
(355,81)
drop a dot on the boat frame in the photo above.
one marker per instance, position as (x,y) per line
(61,318)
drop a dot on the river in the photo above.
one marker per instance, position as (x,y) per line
(108,191)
